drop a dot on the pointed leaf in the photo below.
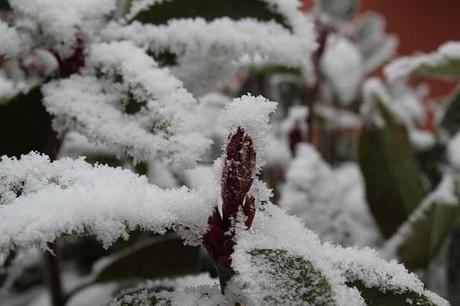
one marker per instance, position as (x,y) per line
(394,185)
(288,280)
(428,235)
(339,10)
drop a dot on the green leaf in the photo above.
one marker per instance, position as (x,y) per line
(291,279)
(157,257)
(427,235)
(338,10)
(25,125)
(451,120)
(447,69)
(376,297)
(394,185)
(209,10)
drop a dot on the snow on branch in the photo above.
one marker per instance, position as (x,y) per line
(444,62)
(208,52)
(60,22)
(129,104)
(42,200)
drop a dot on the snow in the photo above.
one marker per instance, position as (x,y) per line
(63,21)
(7,89)
(199,290)
(330,201)
(342,65)
(167,127)
(252,114)
(208,52)
(273,229)
(11,41)
(41,200)
(404,66)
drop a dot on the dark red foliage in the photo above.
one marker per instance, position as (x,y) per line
(295,136)
(237,175)
(73,63)
(237,178)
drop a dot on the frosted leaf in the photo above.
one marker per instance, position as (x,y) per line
(208,52)
(404,102)
(330,201)
(341,267)
(198,290)
(133,106)
(274,230)
(342,65)
(443,62)
(375,45)
(60,22)
(8,89)
(42,200)
(252,114)
(11,41)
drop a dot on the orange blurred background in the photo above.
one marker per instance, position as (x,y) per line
(421,25)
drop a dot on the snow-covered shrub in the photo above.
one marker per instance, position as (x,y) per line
(137,82)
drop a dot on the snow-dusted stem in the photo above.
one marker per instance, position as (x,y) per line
(53,276)
(313,90)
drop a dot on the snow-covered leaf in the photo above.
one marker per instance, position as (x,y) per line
(60,24)
(42,200)
(443,63)
(205,53)
(340,268)
(129,104)
(376,297)
(338,10)
(376,46)
(288,280)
